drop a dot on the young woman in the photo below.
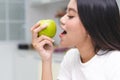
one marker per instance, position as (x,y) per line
(92,28)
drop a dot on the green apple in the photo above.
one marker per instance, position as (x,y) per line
(50,30)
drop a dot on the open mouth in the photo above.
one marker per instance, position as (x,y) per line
(64,32)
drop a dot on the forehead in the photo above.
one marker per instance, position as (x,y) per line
(72,4)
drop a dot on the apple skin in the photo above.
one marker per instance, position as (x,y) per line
(50,30)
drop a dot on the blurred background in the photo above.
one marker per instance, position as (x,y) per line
(18,59)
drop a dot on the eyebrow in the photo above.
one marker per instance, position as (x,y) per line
(72,9)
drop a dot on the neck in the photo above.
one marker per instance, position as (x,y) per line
(86,51)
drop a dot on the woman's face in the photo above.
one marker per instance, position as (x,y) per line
(74,33)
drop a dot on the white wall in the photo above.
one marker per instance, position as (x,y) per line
(6,62)
(18,64)
(36,12)
(25,64)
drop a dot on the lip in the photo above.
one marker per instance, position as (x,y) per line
(62,34)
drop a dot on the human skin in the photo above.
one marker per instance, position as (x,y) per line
(75,36)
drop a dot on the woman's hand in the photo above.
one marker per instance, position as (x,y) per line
(43,44)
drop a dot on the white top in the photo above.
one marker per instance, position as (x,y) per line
(100,67)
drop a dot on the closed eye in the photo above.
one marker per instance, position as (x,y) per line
(70,17)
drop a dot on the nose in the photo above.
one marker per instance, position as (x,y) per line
(63,20)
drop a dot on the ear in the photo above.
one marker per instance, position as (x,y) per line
(88,35)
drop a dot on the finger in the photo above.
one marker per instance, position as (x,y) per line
(41,27)
(43,37)
(38,29)
(47,45)
(35,26)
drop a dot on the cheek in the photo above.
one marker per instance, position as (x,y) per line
(77,29)
(78,34)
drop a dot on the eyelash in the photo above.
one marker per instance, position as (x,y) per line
(70,17)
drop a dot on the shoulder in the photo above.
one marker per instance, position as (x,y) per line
(114,56)
(72,51)
(72,54)
(70,57)
(110,55)
(113,59)
(67,64)
(113,64)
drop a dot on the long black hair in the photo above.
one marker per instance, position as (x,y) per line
(101,19)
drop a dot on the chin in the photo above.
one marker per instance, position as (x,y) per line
(65,45)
